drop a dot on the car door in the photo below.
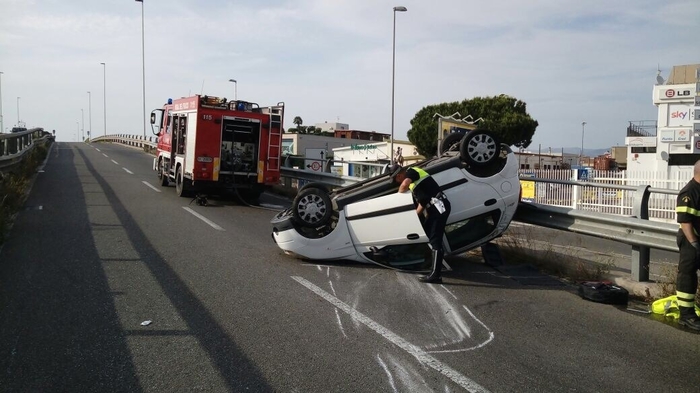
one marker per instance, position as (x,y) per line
(386,230)
(476,209)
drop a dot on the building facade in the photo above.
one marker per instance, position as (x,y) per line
(369,159)
(669,143)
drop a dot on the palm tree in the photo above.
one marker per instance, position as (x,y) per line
(298,121)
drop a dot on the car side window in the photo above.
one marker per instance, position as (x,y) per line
(407,257)
(463,233)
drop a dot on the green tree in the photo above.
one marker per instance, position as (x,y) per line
(298,121)
(503,115)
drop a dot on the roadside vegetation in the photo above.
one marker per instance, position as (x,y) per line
(519,246)
(505,116)
(14,186)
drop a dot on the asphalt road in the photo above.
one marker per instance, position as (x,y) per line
(100,248)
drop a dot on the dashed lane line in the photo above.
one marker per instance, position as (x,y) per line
(201,217)
(128,171)
(149,185)
(116,163)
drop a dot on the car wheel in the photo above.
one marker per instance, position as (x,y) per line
(312,207)
(182,185)
(479,148)
(451,142)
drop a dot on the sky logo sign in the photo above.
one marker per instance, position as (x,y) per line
(679,115)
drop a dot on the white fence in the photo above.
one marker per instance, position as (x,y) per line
(661,207)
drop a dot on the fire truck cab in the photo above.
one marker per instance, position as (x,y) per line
(210,145)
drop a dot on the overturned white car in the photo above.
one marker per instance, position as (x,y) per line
(371,222)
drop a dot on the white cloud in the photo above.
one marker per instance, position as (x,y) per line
(569,60)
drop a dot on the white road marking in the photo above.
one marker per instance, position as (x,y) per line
(115,162)
(388,373)
(97,149)
(201,217)
(491,336)
(413,350)
(448,291)
(105,155)
(128,171)
(340,323)
(149,185)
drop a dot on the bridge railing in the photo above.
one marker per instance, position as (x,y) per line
(148,143)
(14,146)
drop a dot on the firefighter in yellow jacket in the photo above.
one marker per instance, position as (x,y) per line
(688,215)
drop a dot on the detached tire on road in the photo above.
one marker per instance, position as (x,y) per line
(479,148)
(312,207)
(603,292)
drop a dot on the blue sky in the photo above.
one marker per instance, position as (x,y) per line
(570,61)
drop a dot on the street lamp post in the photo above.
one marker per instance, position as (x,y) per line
(104,98)
(77,134)
(583,130)
(235,89)
(89,114)
(143,66)
(2,128)
(82,124)
(18,111)
(393,72)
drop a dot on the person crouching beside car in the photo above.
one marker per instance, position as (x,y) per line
(435,206)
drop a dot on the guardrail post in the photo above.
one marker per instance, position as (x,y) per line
(640,254)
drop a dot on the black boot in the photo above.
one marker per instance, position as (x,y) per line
(689,319)
(434,276)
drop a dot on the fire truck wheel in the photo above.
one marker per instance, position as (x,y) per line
(182,185)
(451,142)
(479,148)
(162,175)
(312,207)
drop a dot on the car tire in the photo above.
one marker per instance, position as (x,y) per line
(162,176)
(479,148)
(451,142)
(312,207)
(183,186)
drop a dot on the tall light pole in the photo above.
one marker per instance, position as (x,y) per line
(18,111)
(104,98)
(235,89)
(2,128)
(89,114)
(393,77)
(143,71)
(82,119)
(583,130)
(77,134)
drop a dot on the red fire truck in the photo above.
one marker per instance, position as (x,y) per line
(210,145)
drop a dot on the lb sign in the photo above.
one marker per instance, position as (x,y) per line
(674,94)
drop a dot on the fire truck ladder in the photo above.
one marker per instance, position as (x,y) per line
(275,143)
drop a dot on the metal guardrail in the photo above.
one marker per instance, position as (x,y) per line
(150,142)
(322,177)
(14,146)
(635,230)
